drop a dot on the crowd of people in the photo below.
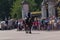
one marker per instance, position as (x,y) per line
(34,23)
(8,24)
(51,23)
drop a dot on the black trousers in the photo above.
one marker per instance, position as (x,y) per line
(28,28)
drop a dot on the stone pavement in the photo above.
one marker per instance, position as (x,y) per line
(36,35)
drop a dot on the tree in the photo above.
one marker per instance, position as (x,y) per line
(16,9)
(5,6)
(34,5)
(38,2)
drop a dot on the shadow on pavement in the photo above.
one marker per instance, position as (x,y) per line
(35,33)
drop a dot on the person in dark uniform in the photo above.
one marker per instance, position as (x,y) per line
(6,22)
(28,25)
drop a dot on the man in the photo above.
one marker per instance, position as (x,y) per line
(6,22)
(28,25)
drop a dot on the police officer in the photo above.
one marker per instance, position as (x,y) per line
(28,25)
(6,22)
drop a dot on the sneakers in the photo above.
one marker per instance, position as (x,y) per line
(26,32)
(29,32)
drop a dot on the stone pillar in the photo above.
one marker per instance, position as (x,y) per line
(25,9)
(44,11)
(51,8)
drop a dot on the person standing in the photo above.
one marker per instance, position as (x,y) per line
(28,26)
(6,23)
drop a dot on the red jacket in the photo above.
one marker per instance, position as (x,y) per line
(36,23)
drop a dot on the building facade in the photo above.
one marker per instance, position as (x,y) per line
(49,8)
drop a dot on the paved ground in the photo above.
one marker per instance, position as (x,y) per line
(36,35)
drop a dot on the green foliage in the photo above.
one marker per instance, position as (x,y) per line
(38,2)
(35,4)
(32,5)
(16,9)
(5,6)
